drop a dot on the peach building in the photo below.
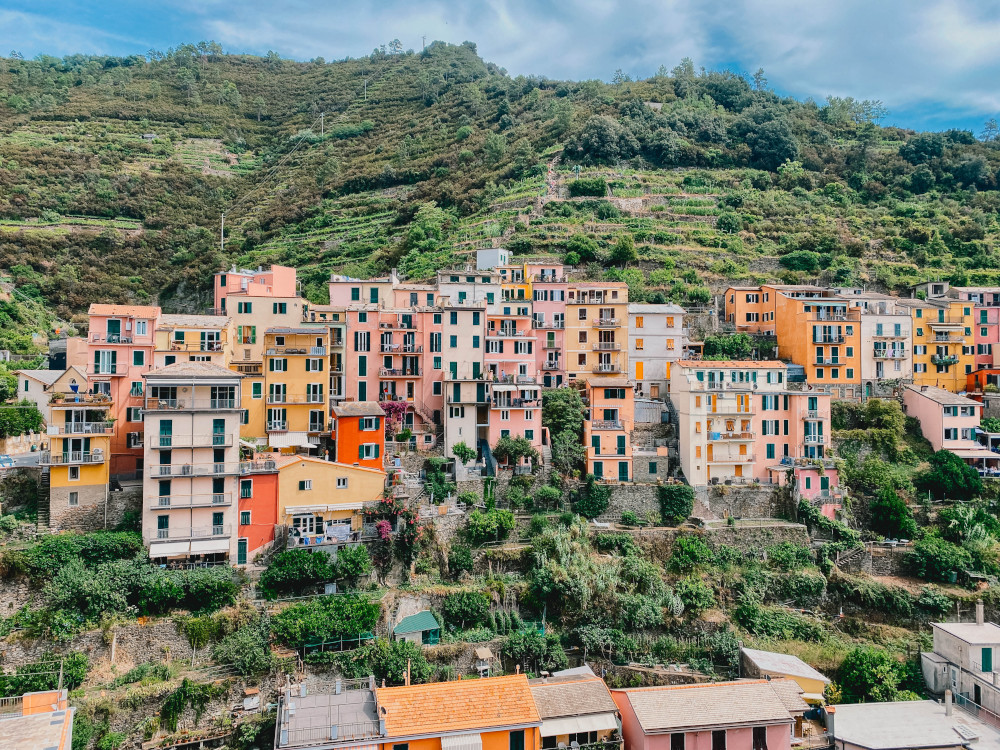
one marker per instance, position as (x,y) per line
(656,338)
(944,344)
(741,421)
(753,309)
(121,343)
(596,329)
(191,480)
(193,338)
(295,386)
(607,430)
(947,420)
(244,285)
(823,334)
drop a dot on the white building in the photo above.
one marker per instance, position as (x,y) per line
(656,337)
(886,341)
(965,660)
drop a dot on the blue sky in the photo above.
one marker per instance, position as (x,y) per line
(934,63)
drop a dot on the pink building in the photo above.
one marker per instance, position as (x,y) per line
(121,340)
(949,422)
(276,281)
(549,321)
(987,320)
(744,715)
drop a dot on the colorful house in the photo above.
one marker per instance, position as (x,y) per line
(576,710)
(358,435)
(258,506)
(39,386)
(768,665)
(296,382)
(949,422)
(243,285)
(656,338)
(608,428)
(943,342)
(193,338)
(596,329)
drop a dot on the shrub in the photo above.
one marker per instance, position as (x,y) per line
(775,622)
(209,589)
(491,526)
(934,559)
(949,476)
(690,552)
(293,570)
(466,608)
(533,650)
(247,650)
(386,660)
(547,497)
(592,499)
(788,556)
(353,563)
(594,186)
(459,560)
(325,618)
(729,223)
(676,502)
(869,675)
(696,594)
(890,515)
(629,518)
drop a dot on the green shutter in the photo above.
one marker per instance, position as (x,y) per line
(361,451)
(302,484)
(377,450)
(377,422)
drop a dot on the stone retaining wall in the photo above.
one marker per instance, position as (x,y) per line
(98,509)
(746,501)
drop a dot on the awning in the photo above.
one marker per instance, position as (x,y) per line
(975,453)
(577,724)
(462,742)
(289,440)
(209,546)
(169,549)
(813,697)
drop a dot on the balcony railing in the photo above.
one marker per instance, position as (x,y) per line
(93,400)
(116,338)
(829,339)
(201,532)
(400,325)
(734,436)
(309,351)
(607,424)
(815,439)
(190,404)
(193,470)
(208,500)
(812,414)
(213,440)
(738,459)
(890,354)
(948,338)
(194,346)
(258,467)
(830,361)
(297,398)
(81,428)
(516,403)
(607,322)
(944,359)
(548,324)
(401,348)
(253,368)
(607,346)
(107,368)
(68,458)
(409,372)
(280,425)
(607,367)
(551,366)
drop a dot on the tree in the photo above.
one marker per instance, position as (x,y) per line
(604,139)
(463,452)
(935,559)
(949,476)
(890,515)
(869,675)
(801,260)
(547,497)
(511,450)
(592,499)
(729,223)
(624,251)
(771,144)
(459,560)
(494,148)
(729,346)
(585,248)
(353,563)
(568,453)
(259,106)
(466,608)
(293,570)
(676,502)
(759,80)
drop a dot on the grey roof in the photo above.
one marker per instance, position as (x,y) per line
(790,693)
(571,695)
(941,396)
(584,670)
(970,632)
(712,705)
(290,331)
(358,409)
(194,321)
(192,370)
(770,662)
(43,376)
(910,724)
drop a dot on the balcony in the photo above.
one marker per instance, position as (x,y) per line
(277,426)
(337,344)
(517,403)
(812,414)
(944,359)
(214,440)
(948,321)
(81,428)
(194,346)
(548,366)
(607,367)
(890,354)
(550,278)
(410,372)
(258,467)
(814,439)
(738,459)
(606,322)
(211,500)
(253,368)
(734,408)
(92,400)
(607,346)
(309,351)
(202,532)
(115,338)
(506,333)
(298,398)
(830,361)
(399,325)
(731,436)
(193,470)
(548,324)
(606,424)
(190,404)
(337,369)
(401,349)
(836,316)
(830,339)
(107,368)
(900,335)
(70,458)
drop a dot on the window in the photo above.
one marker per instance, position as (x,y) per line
(453,318)
(314,365)
(305,484)
(279,308)
(582,313)
(475,342)
(362,317)
(677,741)
(341,483)
(770,450)
(437,364)
(244,518)
(401,746)
(850,373)
(517,740)
(256,390)
(719,739)
(368,424)
(140,328)
(244,307)
(529,434)
(638,344)
(74,473)
(355,294)
(136,389)
(368,450)
(246,488)
(652,467)
(139,358)
(134,414)
(277,365)
(453,342)
(760,738)
(74,499)
(373,295)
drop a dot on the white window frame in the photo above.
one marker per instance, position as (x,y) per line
(341,483)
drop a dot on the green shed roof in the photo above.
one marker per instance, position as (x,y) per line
(417,623)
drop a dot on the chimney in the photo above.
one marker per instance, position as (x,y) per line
(980,615)
(947,703)
(830,713)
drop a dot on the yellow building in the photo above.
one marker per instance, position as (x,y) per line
(77,461)
(193,338)
(768,665)
(317,498)
(294,387)
(944,347)
(596,329)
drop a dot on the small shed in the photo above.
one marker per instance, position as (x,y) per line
(418,628)
(484,661)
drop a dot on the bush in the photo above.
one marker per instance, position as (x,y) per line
(593,186)
(459,560)
(949,476)
(466,608)
(209,589)
(547,497)
(696,594)
(534,651)
(592,499)
(494,525)
(788,556)
(890,515)
(676,503)
(247,650)
(869,675)
(325,618)
(52,553)
(386,660)
(629,518)
(935,559)
(294,570)
(690,552)
(729,223)
(353,563)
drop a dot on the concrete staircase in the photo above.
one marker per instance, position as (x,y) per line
(44,506)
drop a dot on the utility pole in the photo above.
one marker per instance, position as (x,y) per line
(322,123)
(423,42)
(222,233)
(366,89)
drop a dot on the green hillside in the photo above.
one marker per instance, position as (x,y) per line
(114,173)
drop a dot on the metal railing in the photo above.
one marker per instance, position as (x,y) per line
(516,403)
(47,458)
(607,346)
(607,424)
(890,354)
(81,428)
(505,333)
(607,367)
(829,339)
(606,322)
(107,368)
(185,404)
(739,436)
(191,501)
(216,440)
(309,351)
(944,359)
(410,372)
(198,532)
(279,426)
(298,398)
(257,467)
(812,414)
(401,349)
(193,470)
(814,439)
(199,346)
(544,324)
(551,366)
(117,338)
(738,459)
(101,400)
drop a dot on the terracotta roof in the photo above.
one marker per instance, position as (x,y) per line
(194,321)
(192,370)
(463,705)
(572,695)
(790,693)
(729,364)
(713,705)
(358,409)
(125,311)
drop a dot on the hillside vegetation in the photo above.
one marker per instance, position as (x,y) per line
(418,158)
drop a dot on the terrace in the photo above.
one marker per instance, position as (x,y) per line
(348,715)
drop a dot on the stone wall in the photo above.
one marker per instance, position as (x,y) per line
(753,538)
(92,513)
(877,560)
(746,500)
(991,405)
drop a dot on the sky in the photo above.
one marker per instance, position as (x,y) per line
(935,64)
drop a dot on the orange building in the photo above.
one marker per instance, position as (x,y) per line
(752,309)
(823,335)
(258,507)
(37,720)
(358,434)
(608,428)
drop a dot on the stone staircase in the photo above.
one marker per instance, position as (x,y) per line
(44,507)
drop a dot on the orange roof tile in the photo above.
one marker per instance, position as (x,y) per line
(128,311)
(463,705)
